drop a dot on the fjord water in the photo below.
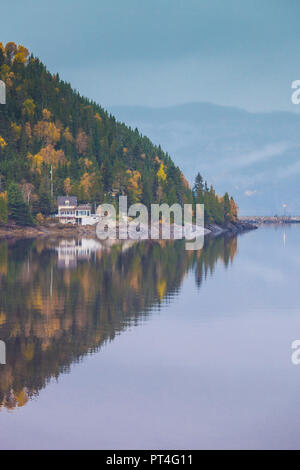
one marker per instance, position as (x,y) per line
(151,346)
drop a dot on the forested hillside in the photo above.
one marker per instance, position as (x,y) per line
(54,142)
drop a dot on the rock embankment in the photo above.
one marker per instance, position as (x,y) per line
(237,227)
(15,231)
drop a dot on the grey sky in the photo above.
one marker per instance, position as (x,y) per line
(164,52)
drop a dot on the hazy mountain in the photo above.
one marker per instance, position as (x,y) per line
(253,156)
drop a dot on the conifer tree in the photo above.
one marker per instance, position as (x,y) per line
(3,210)
(227,208)
(17,208)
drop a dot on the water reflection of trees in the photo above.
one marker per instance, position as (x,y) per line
(55,309)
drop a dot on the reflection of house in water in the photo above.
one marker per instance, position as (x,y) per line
(69,251)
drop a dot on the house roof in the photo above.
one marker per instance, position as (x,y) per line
(62,200)
(84,207)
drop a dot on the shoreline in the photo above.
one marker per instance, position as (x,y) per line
(270,220)
(10,231)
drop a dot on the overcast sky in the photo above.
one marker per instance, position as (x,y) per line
(242,53)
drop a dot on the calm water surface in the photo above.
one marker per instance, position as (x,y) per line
(151,346)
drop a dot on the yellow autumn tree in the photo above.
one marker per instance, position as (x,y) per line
(47,155)
(6,75)
(36,162)
(28,108)
(47,132)
(161,174)
(2,143)
(135,184)
(86,182)
(88,163)
(40,218)
(10,50)
(3,195)
(21,55)
(16,130)
(51,156)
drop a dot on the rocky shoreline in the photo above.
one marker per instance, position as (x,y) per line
(60,230)
(237,227)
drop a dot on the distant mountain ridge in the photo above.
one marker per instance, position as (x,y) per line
(255,156)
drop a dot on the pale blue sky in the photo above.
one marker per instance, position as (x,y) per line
(164,52)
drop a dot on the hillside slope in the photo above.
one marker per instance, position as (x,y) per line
(46,125)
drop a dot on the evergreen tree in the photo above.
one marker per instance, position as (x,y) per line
(227,208)
(17,208)
(44,202)
(198,186)
(3,211)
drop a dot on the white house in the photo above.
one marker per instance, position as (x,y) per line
(70,213)
(67,209)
